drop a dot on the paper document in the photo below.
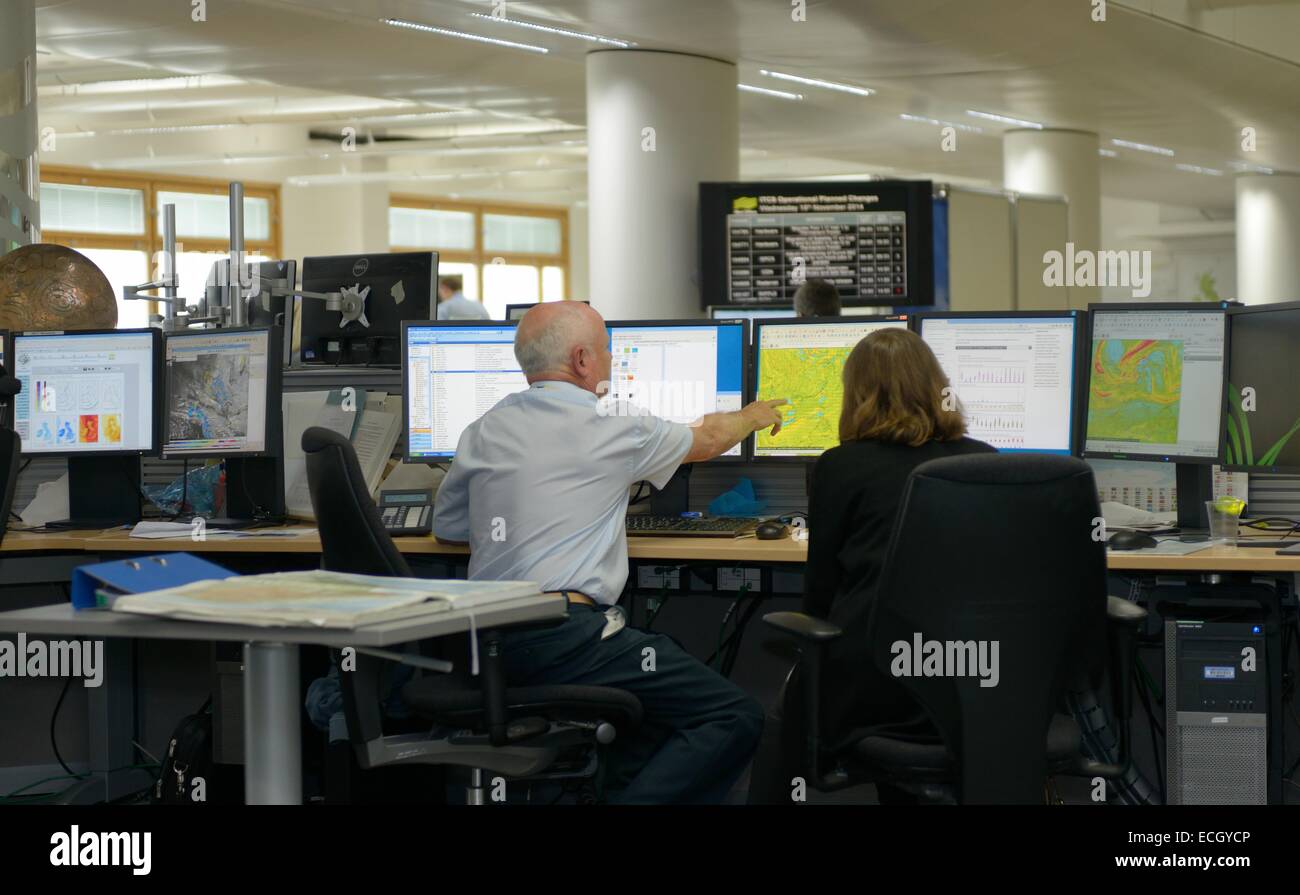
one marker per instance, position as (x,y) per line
(166,530)
(318,599)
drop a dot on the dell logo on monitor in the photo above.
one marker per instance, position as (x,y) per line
(359,269)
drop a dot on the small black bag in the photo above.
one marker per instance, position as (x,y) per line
(189,759)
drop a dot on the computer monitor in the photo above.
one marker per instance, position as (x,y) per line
(1156,381)
(277,310)
(223,390)
(678,370)
(401,287)
(92,396)
(1262,419)
(802,360)
(750,312)
(515,312)
(1015,374)
(453,371)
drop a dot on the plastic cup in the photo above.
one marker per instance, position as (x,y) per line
(1224,516)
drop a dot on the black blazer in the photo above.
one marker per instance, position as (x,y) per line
(856,490)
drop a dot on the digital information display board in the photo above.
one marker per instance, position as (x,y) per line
(873,241)
(863,254)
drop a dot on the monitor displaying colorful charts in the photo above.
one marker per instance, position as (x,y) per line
(802,360)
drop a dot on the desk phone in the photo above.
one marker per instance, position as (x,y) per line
(407,512)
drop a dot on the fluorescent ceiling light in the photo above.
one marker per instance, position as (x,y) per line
(173,129)
(780,94)
(1143,147)
(594,38)
(817,82)
(921,119)
(1108,153)
(1004,119)
(1248,168)
(1197,169)
(446,32)
(141,85)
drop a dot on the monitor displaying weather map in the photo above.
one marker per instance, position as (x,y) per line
(1155,383)
(217,392)
(803,362)
(85,392)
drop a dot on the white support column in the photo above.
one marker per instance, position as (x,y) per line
(657,125)
(1065,163)
(1268,234)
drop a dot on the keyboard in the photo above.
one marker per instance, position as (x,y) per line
(642,525)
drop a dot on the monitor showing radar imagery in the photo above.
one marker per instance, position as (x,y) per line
(218,392)
(1155,382)
(802,360)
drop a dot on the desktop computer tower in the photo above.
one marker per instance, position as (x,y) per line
(1216,713)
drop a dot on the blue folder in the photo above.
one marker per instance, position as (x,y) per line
(96,586)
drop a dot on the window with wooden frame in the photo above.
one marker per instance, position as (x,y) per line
(505,253)
(116,221)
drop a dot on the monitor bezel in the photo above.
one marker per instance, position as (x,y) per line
(158,372)
(1233,313)
(1221,306)
(274,394)
(516,305)
(406,379)
(746,347)
(804,459)
(745,308)
(1078,373)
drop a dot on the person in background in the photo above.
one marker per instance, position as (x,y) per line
(817,298)
(539,490)
(895,416)
(452,303)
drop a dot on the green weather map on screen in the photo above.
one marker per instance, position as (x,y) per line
(1136,388)
(810,379)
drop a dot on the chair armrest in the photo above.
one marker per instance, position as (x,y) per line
(814,635)
(1123,621)
(805,627)
(492,666)
(414,660)
(1121,611)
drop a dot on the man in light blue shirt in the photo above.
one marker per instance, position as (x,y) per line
(452,303)
(539,490)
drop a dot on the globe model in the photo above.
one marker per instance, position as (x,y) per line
(52,287)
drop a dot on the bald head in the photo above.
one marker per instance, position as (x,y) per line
(563,340)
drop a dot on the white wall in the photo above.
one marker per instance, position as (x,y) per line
(1185,243)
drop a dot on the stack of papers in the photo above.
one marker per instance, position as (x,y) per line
(318,599)
(157,531)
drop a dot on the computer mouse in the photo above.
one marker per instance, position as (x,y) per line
(1131,540)
(771,530)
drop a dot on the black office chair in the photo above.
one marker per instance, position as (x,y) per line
(990,547)
(519,732)
(10,454)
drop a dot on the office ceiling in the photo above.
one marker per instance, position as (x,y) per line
(1186,75)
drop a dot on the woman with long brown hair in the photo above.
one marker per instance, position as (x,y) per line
(898,413)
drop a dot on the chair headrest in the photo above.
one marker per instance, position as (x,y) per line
(318,438)
(1003,469)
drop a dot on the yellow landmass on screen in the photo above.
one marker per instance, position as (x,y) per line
(810,379)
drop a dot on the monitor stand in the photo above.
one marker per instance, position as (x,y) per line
(674,499)
(103,492)
(254,492)
(1195,484)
